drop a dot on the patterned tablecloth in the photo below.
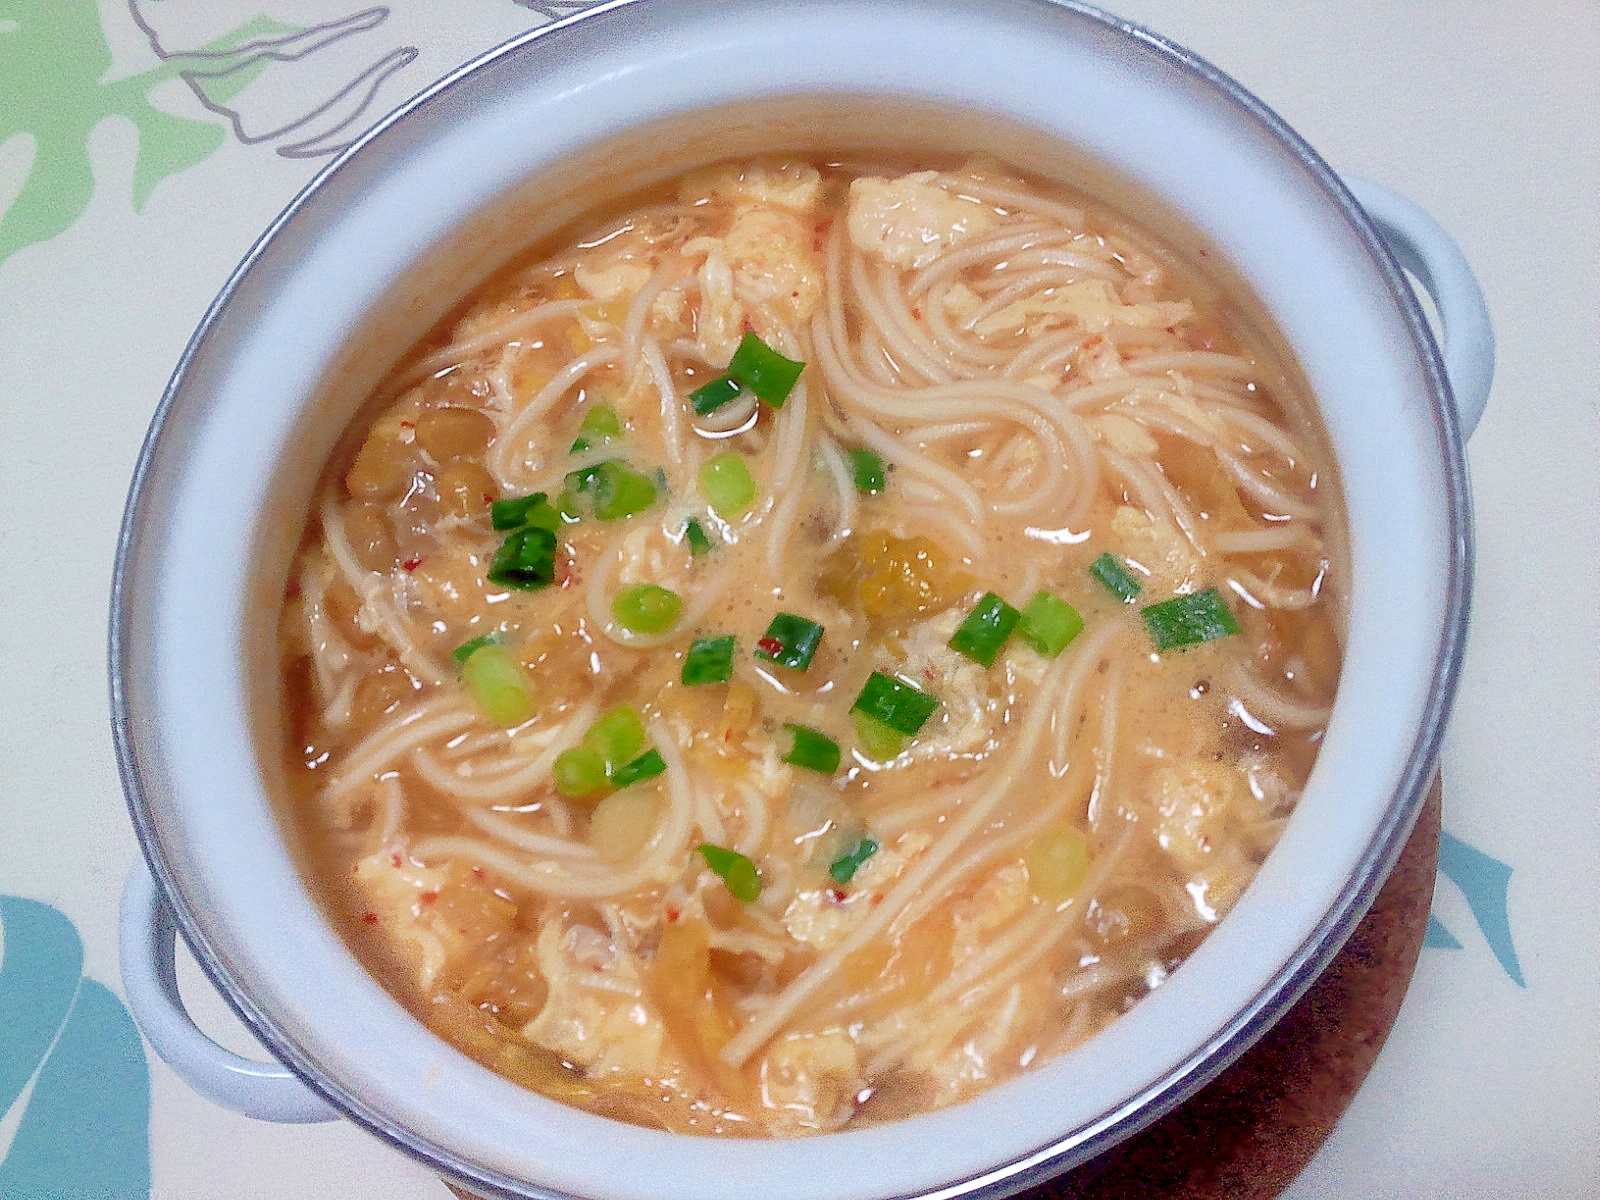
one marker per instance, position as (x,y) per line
(145,143)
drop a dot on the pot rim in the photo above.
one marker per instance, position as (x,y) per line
(1196,1068)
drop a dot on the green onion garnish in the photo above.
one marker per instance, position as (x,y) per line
(843,869)
(1049,624)
(985,630)
(581,481)
(790,641)
(647,608)
(709,397)
(871,475)
(601,425)
(497,682)
(526,559)
(738,873)
(1108,569)
(812,749)
(710,660)
(726,481)
(1189,620)
(646,766)
(580,771)
(876,740)
(617,736)
(620,491)
(764,371)
(894,703)
(695,534)
(465,651)
(532,510)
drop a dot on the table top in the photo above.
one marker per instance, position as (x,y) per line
(134,173)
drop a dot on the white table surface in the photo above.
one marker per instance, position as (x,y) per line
(1486,113)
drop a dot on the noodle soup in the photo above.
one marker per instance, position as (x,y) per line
(809,644)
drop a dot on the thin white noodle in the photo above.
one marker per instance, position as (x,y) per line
(511,438)
(395,739)
(512,329)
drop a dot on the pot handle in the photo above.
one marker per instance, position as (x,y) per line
(268,1091)
(1423,248)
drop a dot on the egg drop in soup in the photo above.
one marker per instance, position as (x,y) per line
(809,643)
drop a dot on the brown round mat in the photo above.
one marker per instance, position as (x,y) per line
(1248,1133)
(1254,1128)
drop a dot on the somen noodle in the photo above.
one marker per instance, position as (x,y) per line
(809,645)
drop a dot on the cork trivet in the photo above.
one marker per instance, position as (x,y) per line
(1248,1133)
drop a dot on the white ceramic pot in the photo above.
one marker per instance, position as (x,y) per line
(391,235)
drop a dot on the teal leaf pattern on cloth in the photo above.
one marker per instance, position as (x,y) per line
(85,1131)
(1437,937)
(1485,882)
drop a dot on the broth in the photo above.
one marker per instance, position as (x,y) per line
(822,750)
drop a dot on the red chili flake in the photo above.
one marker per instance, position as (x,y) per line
(928,674)
(370,918)
(411,564)
(837,894)
(771,645)
(395,858)
(429,898)
(673,915)
(407,425)
(916,313)
(477,872)
(488,498)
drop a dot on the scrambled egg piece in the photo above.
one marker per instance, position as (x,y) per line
(818,917)
(1090,304)
(595,1015)
(794,186)
(768,259)
(810,1080)
(910,221)
(1158,547)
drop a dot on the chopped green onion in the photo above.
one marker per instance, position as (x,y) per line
(876,740)
(466,650)
(790,641)
(568,505)
(581,481)
(871,475)
(709,397)
(620,491)
(737,872)
(647,608)
(1189,620)
(647,766)
(532,510)
(580,771)
(710,660)
(1049,624)
(526,559)
(1108,569)
(894,702)
(985,630)
(764,371)
(601,425)
(617,736)
(695,534)
(725,479)
(843,869)
(812,749)
(498,684)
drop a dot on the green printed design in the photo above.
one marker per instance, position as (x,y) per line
(1486,883)
(86,1129)
(54,60)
